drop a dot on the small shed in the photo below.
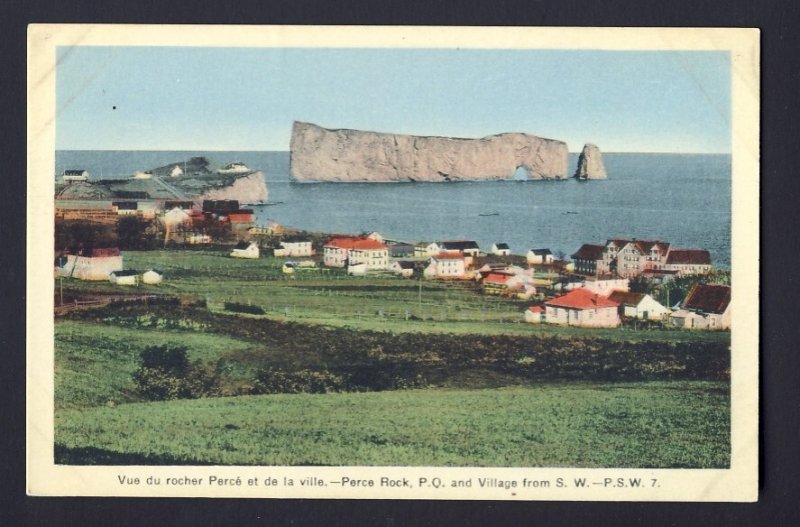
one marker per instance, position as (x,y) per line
(124,277)
(539,256)
(245,250)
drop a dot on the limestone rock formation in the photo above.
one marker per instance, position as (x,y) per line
(319,154)
(590,163)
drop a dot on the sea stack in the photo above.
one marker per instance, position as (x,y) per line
(341,155)
(590,163)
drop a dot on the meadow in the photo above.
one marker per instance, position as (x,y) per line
(331,298)
(650,424)
(448,376)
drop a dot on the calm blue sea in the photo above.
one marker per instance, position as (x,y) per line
(680,198)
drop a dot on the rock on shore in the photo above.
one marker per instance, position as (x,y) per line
(590,163)
(320,154)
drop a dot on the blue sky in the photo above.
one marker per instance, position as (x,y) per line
(171,98)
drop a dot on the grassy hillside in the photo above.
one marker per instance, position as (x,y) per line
(650,424)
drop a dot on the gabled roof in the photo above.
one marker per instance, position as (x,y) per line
(626,298)
(582,298)
(242,245)
(448,256)
(689,256)
(708,298)
(589,251)
(74,172)
(542,252)
(536,309)
(360,244)
(497,278)
(501,246)
(459,245)
(405,264)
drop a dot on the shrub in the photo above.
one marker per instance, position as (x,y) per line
(243,308)
(165,373)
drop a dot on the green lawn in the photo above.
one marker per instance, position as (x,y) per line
(383,303)
(649,424)
(94,362)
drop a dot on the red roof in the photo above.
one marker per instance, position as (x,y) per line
(241,216)
(708,298)
(497,278)
(689,256)
(582,298)
(452,255)
(362,244)
(589,251)
(536,309)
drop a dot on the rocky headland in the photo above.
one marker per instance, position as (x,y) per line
(320,154)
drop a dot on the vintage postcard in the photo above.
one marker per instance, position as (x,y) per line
(393,262)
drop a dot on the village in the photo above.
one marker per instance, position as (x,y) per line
(603,285)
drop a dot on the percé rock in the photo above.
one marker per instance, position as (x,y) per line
(319,154)
(590,163)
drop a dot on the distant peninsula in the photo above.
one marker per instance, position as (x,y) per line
(326,155)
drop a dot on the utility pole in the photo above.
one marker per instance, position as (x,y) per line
(61,289)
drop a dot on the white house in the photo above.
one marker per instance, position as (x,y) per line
(152,277)
(351,251)
(75,175)
(606,286)
(501,249)
(142,175)
(126,277)
(297,248)
(446,265)
(707,306)
(539,256)
(639,305)
(466,247)
(689,262)
(245,250)
(402,268)
(582,307)
(94,264)
(535,315)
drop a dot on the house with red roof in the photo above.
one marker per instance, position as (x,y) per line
(447,265)
(707,306)
(581,307)
(534,315)
(346,251)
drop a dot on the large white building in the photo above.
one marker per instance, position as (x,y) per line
(447,265)
(96,264)
(352,251)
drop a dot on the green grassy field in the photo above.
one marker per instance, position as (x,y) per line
(497,392)
(383,303)
(651,424)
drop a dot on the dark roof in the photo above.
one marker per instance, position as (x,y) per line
(627,298)
(708,298)
(459,245)
(130,194)
(125,272)
(405,264)
(541,252)
(689,256)
(74,172)
(220,205)
(125,205)
(171,204)
(589,251)
(400,245)
(502,245)
(242,245)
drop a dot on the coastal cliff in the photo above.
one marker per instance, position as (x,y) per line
(251,188)
(590,163)
(320,154)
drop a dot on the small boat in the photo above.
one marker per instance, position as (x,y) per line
(570,212)
(489,214)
